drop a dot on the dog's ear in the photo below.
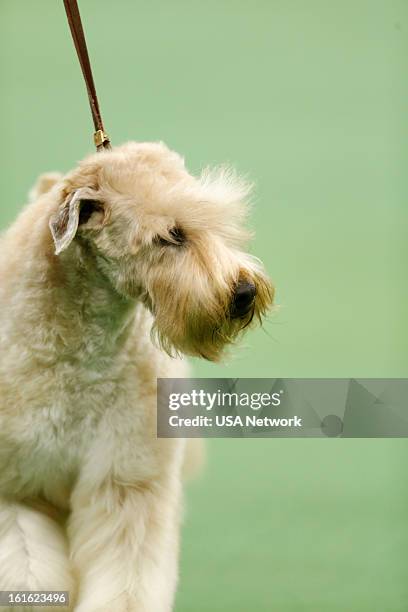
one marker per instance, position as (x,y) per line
(79,211)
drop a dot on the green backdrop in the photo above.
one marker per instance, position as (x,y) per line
(308,98)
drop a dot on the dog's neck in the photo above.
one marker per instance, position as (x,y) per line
(73,310)
(95,319)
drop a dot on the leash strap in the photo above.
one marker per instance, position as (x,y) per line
(101,139)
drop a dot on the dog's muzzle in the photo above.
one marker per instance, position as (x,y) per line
(243,299)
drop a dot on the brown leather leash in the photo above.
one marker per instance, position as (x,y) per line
(101,139)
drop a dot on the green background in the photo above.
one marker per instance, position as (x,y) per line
(308,98)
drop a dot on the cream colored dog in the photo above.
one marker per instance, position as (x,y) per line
(110,269)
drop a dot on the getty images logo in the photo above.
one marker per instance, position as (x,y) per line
(221,399)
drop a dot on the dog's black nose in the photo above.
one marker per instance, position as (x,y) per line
(242,301)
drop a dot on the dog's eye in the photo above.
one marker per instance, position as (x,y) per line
(176,238)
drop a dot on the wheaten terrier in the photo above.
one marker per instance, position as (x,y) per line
(107,277)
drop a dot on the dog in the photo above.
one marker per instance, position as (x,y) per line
(108,278)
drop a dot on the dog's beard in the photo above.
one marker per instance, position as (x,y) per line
(197,317)
(206,329)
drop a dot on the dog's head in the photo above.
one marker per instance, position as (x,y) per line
(170,240)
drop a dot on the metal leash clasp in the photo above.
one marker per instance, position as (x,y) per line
(101,140)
